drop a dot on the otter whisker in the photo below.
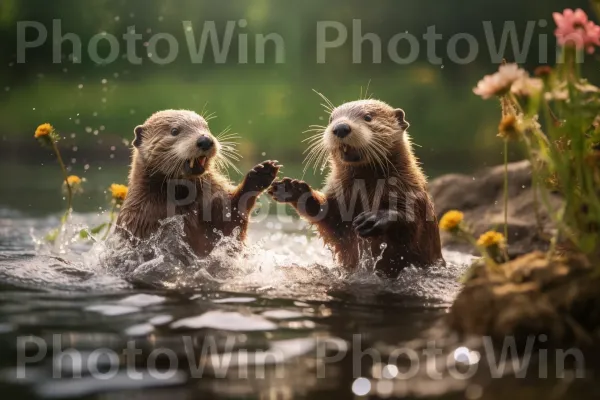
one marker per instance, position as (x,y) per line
(366,94)
(321,159)
(313,145)
(314,154)
(312,138)
(210,116)
(325,99)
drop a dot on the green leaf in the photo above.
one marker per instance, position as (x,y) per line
(98,229)
(52,235)
(85,233)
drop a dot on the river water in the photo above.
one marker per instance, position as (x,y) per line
(275,320)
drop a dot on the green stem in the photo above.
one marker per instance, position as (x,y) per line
(66,176)
(112,220)
(506,189)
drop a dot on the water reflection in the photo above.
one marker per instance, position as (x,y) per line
(276,322)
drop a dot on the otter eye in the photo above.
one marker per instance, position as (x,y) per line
(175,131)
(368,118)
(330,118)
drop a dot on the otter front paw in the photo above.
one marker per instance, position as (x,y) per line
(370,224)
(261,176)
(288,190)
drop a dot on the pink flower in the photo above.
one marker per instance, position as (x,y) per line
(574,28)
(500,82)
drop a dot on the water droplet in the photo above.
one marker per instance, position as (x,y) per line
(383,246)
(390,371)
(88,129)
(80,86)
(361,386)
(263,153)
(86,167)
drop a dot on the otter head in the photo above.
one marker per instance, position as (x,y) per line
(364,132)
(176,143)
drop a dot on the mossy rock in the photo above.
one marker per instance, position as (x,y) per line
(531,295)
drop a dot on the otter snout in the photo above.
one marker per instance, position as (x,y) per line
(205,143)
(341,130)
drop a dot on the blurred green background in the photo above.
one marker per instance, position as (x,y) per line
(95,107)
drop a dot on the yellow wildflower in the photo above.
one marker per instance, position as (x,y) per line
(119,192)
(73,180)
(74,183)
(451,220)
(490,239)
(509,128)
(43,130)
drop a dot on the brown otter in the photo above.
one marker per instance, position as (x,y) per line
(176,170)
(375,190)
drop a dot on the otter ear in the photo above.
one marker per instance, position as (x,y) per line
(138,132)
(401,117)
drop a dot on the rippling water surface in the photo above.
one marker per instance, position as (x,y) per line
(275,320)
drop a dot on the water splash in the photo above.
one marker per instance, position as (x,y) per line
(283,262)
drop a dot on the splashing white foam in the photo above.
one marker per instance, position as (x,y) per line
(288,262)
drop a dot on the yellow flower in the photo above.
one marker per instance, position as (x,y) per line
(119,192)
(451,220)
(509,128)
(73,180)
(74,183)
(490,239)
(43,130)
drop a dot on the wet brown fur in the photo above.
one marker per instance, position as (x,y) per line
(149,201)
(409,241)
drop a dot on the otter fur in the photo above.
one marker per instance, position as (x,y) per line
(177,169)
(375,197)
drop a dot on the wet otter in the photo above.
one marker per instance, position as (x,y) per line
(177,170)
(375,190)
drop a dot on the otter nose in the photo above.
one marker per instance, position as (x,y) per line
(204,143)
(342,130)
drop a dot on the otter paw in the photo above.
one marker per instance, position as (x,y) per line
(369,223)
(261,176)
(288,190)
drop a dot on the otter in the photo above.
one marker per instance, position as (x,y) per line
(177,169)
(375,196)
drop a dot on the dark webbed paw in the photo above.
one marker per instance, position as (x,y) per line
(261,176)
(288,190)
(370,224)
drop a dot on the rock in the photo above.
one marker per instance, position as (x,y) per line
(481,199)
(530,296)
